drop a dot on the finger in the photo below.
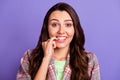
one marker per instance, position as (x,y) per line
(53,39)
(50,41)
(54,44)
(44,44)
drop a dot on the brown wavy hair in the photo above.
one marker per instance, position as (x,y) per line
(78,56)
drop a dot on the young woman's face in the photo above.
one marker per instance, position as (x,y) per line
(60,25)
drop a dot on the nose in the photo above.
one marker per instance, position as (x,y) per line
(61,30)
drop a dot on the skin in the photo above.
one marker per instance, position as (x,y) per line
(61,32)
(61,26)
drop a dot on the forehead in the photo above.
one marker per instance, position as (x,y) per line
(60,15)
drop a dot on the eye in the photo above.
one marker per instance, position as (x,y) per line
(68,24)
(55,24)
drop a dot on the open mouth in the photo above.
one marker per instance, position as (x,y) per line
(61,38)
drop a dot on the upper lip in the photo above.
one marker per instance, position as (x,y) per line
(58,37)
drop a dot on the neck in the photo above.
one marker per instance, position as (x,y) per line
(61,54)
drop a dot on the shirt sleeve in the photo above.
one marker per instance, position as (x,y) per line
(23,70)
(94,68)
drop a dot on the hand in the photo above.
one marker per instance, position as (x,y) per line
(48,47)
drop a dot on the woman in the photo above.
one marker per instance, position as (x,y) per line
(60,53)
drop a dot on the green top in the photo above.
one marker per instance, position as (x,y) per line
(59,69)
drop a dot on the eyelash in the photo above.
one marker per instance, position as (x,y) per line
(68,24)
(57,24)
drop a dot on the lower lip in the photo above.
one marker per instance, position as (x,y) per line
(61,41)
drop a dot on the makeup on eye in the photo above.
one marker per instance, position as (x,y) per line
(55,24)
(67,24)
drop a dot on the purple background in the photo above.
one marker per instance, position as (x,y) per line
(20,25)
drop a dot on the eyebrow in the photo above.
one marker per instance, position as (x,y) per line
(53,20)
(68,20)
(58,20)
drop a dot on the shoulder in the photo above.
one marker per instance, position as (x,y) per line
(93,66)
(26,55)
(92,58)
(23,72)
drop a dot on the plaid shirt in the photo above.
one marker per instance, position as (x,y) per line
(93,69)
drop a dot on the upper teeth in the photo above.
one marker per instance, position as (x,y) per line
(61,38)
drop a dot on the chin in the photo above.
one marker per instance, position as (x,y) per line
(61,46)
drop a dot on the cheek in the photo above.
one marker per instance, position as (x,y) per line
(51,32)
(71,32)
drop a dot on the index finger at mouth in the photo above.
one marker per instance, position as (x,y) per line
(53,38)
